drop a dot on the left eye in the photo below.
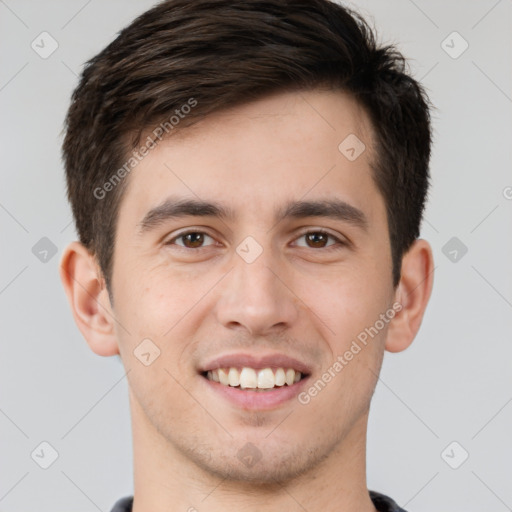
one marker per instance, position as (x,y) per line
(318,239)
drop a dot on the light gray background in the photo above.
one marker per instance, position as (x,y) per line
(452,384)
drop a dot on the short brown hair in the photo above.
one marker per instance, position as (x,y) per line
(224,53)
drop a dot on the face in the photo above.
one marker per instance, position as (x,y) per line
(252,246)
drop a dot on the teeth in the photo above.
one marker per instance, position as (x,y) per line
(233,377)
(280,377)
(249,378)
(266,378)
(223,376)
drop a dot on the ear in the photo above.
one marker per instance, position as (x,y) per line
(88,296)
(412,293)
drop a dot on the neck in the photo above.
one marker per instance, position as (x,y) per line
(166,480)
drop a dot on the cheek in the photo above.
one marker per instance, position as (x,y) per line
(348,301)
(160,391)
(152,307)
(153,300)
(166,308)
(350,309)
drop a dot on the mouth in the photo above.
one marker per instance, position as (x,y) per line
(255,382)
(253,379)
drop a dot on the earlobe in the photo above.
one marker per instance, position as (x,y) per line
(413,293)
(88,298)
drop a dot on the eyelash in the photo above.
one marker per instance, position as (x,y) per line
(337,245)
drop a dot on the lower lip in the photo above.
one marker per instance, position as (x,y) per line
(257,400)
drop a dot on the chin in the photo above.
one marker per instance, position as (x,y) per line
(266,467)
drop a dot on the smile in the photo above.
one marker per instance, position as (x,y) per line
(252,379)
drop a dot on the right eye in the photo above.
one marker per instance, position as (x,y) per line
(191,240)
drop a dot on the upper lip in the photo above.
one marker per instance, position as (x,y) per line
(258,362)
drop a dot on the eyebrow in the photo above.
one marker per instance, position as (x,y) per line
(328,208)
(175,207)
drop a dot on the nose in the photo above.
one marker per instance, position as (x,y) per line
(256,297)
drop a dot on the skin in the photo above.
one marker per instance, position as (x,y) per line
(305,300)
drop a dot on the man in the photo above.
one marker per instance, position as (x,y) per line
(248,180)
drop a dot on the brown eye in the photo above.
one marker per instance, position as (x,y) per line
(192,240)
(318,240)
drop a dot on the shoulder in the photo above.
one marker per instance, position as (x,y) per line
(384,503)
(123,505)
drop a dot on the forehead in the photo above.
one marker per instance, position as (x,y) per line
(253,157)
